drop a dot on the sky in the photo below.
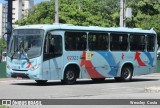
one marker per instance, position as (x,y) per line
(35,1)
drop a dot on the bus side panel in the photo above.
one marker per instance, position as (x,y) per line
(52,68)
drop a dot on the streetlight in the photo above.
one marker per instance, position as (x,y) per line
(124,13)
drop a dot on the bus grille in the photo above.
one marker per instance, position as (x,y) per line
(22,75)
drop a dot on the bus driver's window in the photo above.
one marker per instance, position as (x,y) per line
(49,46)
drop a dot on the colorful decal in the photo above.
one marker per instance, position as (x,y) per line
(86,62)
(89,56)
(137,57)
(111,61)
(72,57)
(29,65)
(122,56)
(150,58)
(24,64)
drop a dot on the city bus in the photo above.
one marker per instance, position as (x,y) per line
(66,52)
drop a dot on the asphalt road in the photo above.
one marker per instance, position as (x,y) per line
(141,87)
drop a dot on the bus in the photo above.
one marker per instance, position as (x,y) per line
(66,52)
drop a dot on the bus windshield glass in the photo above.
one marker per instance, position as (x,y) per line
(26,44)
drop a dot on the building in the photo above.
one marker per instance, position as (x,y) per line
(1,9)
(3,19)
(20,8)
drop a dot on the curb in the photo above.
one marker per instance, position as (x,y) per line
(7,79)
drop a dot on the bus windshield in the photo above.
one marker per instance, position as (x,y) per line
(26,44)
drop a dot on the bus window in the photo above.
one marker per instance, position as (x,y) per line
(52,46)
(75,41)
(119,42)
(137,42)
(150,43)
(98,41)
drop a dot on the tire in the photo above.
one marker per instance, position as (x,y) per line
(98,80)
(70,76)
(126,74)
(40,82)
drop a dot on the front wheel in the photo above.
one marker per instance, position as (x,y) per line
(69,76)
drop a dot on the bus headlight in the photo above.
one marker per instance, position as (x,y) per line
(7,66)
(35,67)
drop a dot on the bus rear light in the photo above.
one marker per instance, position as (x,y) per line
(35,67)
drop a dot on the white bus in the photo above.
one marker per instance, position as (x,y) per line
(67,52)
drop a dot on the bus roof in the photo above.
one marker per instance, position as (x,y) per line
(83,28)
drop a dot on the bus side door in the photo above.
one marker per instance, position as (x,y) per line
(53,61)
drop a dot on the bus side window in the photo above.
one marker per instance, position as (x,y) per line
(119,42)
(137,42)
(98,41)
(150,43)
(75,41)
(48,47)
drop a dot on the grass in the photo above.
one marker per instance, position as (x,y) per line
(2,106)
(2,70)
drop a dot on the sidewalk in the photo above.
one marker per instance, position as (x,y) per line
(7,79)
(152,75)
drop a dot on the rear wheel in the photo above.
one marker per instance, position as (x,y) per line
(69,76)
(126,74)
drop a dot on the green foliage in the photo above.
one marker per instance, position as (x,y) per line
(146,13)
(4,106)
(77,12)
(3,44)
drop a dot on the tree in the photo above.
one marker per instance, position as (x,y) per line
(146,13)
(3,44)
(77,12)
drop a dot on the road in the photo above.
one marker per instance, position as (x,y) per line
(141,87)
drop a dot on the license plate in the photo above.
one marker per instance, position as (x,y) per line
(19,78)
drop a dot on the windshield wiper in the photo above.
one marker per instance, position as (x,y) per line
(14,54)
(16,50)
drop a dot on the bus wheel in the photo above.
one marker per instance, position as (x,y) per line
(41,81)
(69,76)
(98,80)
(126,73)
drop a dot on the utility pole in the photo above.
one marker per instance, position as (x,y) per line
(56,12)
(9,22)
(122,13)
